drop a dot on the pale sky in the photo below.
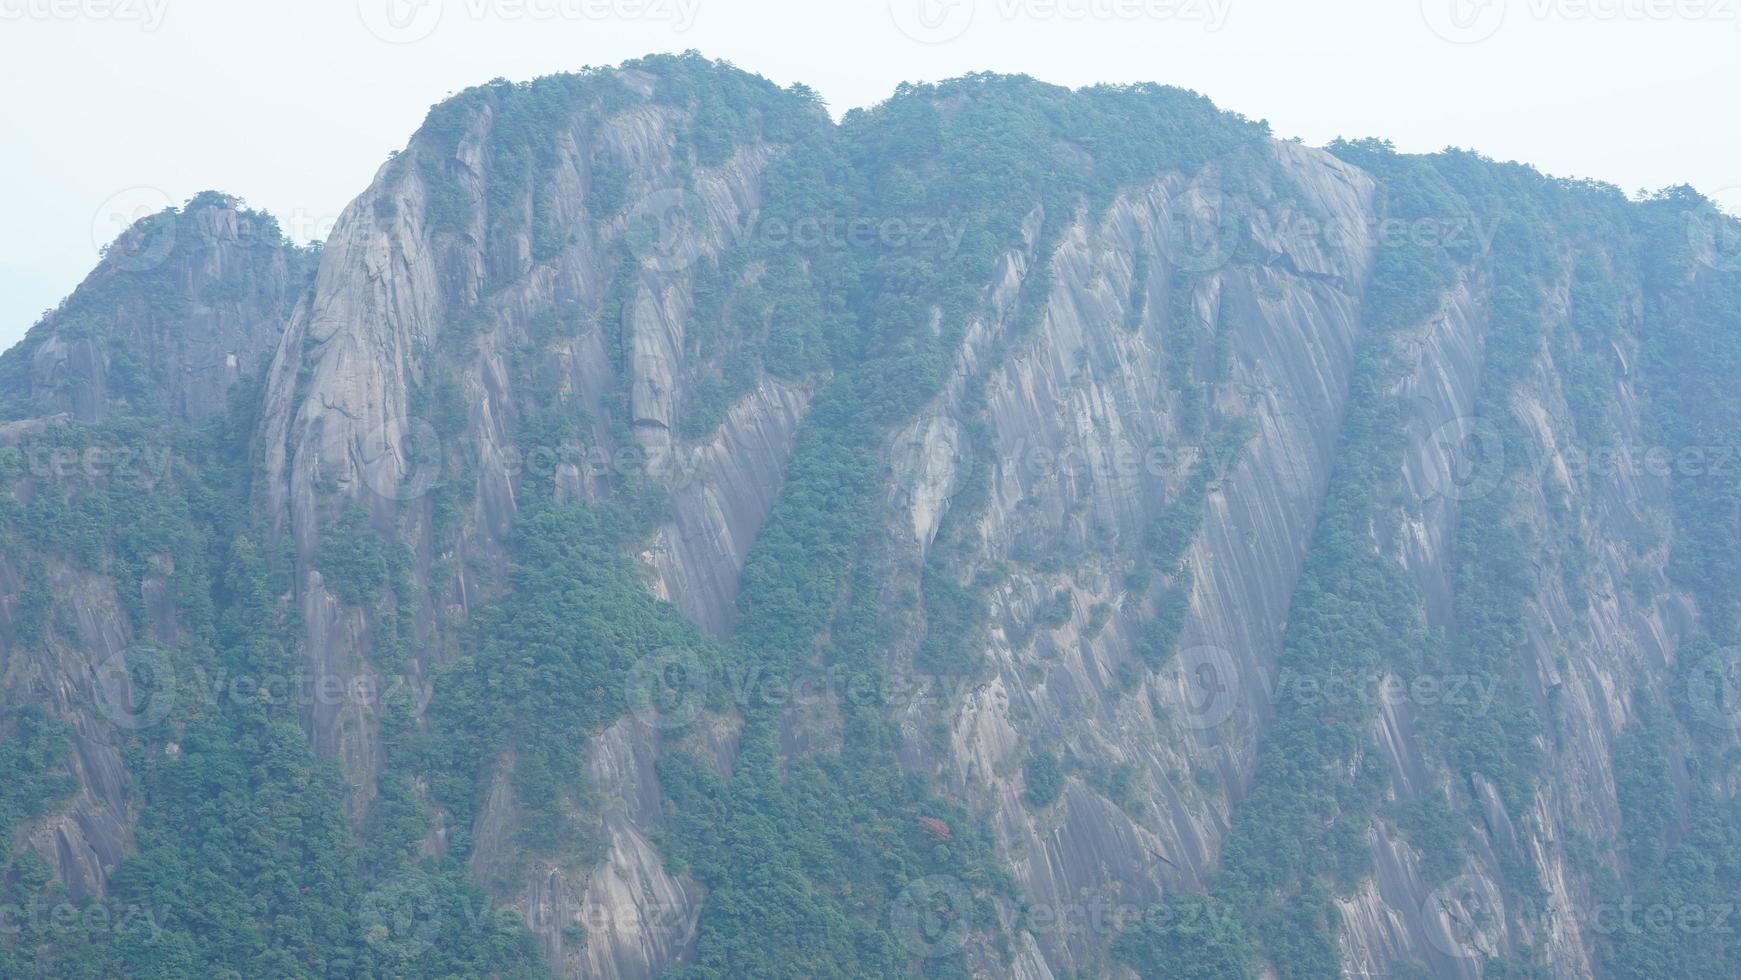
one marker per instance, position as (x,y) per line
(114,105)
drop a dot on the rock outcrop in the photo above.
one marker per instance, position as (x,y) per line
(535,299)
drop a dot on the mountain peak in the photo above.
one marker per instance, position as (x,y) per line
(184,302)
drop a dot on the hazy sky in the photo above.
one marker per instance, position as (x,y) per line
(115,105)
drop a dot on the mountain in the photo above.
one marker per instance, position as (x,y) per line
(1011,531)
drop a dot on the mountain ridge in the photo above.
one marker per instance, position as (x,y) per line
(1172,425)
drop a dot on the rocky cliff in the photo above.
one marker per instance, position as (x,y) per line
(1070,424)
(183,306)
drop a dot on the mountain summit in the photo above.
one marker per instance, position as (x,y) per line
(1011,531)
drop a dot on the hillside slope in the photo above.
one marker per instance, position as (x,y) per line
(1008,532)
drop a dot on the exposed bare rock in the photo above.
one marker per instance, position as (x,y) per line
(1079,412)
(525,306)
(396,283)
(182,307)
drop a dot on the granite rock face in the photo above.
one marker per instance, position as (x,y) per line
(1088,451)
(341,427)
(441,309)
(183,307)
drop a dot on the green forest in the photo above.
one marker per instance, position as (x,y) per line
(843,843)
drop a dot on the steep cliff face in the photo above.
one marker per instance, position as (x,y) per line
(477,335)
(1088,449)
(184,305)
(1565,457)
(1254,550)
